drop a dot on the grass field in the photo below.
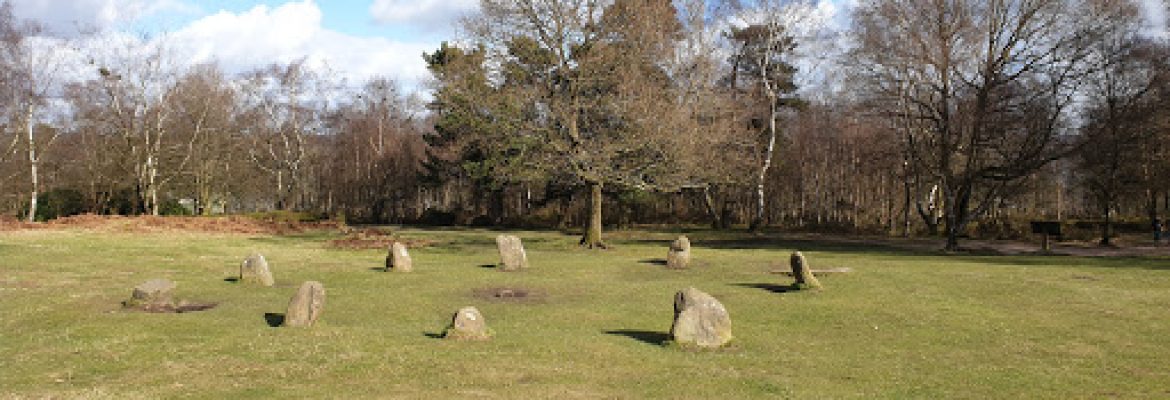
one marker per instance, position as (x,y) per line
(902,325)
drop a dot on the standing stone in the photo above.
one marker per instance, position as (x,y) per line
(679,255)
(153,294)
(803,273)
(306,306)
(255,269)
(699,320)
(511,253)
(399,259)
(467,324)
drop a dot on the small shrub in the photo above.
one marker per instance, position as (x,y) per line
(435,217)
(58,203)
(173,207)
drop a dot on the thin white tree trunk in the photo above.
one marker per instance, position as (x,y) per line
(762,178)
(32,162)
(152,181)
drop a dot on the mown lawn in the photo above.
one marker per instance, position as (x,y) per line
(901,325)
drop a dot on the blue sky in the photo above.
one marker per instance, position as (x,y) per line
(354,39)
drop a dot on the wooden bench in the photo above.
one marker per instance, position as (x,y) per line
(1046,229)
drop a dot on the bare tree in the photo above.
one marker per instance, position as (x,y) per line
(134,86)
(32,68)
(286,105)
(1122,98)
(762,62)
(992,84)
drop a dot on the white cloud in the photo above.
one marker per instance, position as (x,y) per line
(426,15)
(1155,13)
(69,17)
(264,35)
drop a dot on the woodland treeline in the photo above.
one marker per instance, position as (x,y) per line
(917,117)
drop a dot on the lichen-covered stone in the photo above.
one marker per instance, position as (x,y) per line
(306,305)
(679,255)
(512,255)
(153,294)
(255,269)
(699,320)
(467,324)
(802,272)
(399,259)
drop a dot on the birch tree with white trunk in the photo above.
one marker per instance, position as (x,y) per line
(32,67)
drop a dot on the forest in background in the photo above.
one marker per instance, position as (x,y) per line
(919,117)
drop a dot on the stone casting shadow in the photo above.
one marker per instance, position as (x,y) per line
(274,320)
(774,288)
(654,261)
(648,337)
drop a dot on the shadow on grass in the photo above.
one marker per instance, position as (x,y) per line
(232,279)
(274,320)
(1155,263)
(310,236)
(648,337)
(774,288)
(653,261)
(433,335)
(493,266)
(378,269)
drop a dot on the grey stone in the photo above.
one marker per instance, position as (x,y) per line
(679,255)
(306,305)
(803,272)
(512,255)
(399,259)
(699,320)
(153,294)
(255,269)
(468,324)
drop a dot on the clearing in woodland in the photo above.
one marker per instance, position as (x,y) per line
(577,323)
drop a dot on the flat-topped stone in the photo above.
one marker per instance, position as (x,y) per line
(512,255)
(399,259)
(155,293)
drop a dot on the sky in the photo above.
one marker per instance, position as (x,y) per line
(355,39)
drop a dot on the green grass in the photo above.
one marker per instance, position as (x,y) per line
(902,325)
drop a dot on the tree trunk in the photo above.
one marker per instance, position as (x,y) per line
(33,175)
(716,221)
(592,238)
(152,184)
(761,180)
(1107,227)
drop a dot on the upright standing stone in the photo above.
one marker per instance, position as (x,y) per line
(679,255)
(802,272)
(255,269)
(306,306)
(467,324)
(511,253)
(699,320)
(399,259)
(153,294)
